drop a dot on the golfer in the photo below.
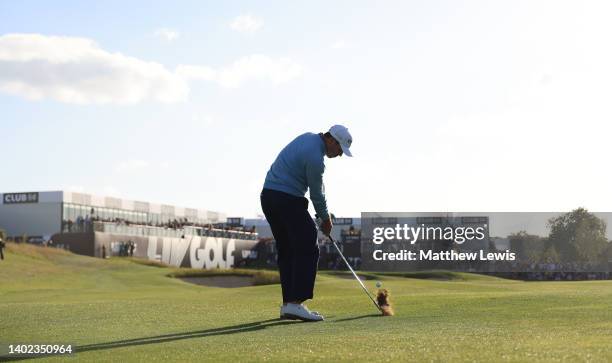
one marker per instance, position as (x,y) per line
(298,167)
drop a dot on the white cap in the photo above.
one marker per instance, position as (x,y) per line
(341,134)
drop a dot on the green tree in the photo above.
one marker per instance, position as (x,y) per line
(578,236)
(528,247)
(550,255)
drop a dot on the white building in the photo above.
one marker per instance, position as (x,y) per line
(42,214)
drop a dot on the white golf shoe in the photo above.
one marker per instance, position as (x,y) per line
(299,312)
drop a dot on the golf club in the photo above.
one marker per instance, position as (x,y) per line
(356,277)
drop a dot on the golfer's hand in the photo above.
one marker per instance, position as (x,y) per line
(326,226)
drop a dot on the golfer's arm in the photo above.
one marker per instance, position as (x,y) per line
(314,174)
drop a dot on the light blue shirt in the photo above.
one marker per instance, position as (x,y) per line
(298,167)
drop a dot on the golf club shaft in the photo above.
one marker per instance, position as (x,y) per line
(354,274)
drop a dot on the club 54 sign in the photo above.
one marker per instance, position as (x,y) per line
(19,198)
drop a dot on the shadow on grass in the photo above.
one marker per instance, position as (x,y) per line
(233,329)
(358,317)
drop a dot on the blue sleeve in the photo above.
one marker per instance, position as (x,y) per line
(314,175)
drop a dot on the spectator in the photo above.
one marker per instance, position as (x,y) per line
(2,245)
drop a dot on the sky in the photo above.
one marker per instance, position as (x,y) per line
(466,106)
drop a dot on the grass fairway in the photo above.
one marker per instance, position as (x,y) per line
(118,310)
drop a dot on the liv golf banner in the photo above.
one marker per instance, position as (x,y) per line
(191,251)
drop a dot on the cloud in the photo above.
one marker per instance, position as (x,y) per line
(254,67)
(167,34)
(246,23)
(77,70)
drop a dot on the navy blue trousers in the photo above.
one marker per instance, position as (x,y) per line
(296,242)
